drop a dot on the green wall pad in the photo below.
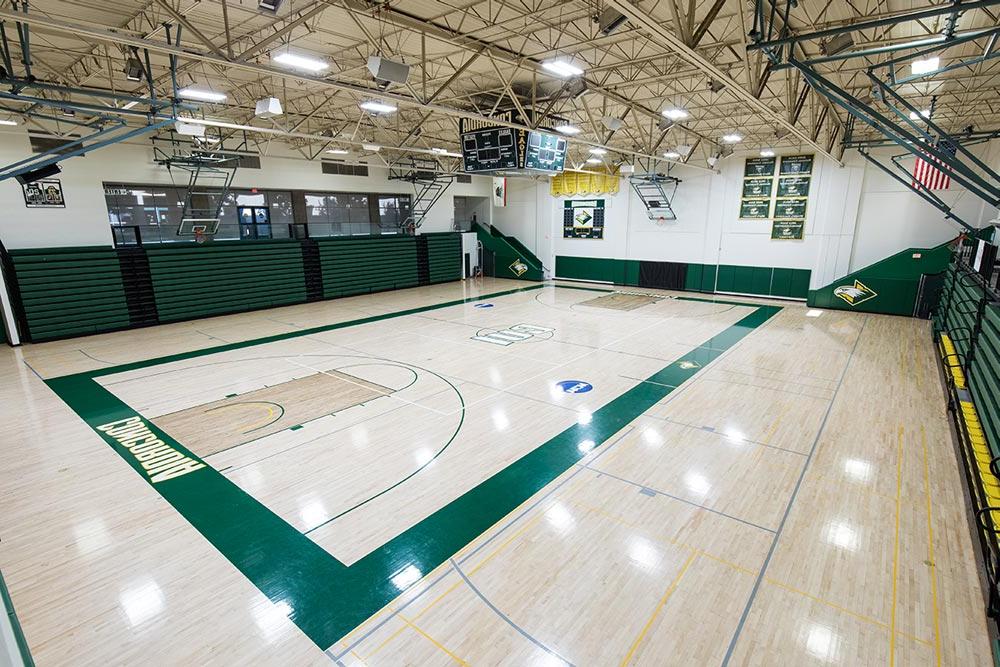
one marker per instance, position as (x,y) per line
(756,280)
(512,260)
(889,286)
(77,291)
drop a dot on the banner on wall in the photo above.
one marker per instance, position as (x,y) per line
(788,230)
(583,219)
(759,166)
(499,192)
(796,164)
(44,194)
(757,188)
(793,186)
(780,195)
(755,209)
(790,209)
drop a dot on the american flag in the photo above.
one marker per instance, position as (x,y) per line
(926,173)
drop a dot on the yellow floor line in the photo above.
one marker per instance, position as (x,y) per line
(434,641)
(438,599)
(895,548)
(385,642)
(930,551)
(834,605)
(659,606)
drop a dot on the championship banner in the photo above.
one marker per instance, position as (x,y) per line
(583,219)
(787,230)
(780,195)
(499,192)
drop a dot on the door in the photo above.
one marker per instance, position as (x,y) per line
(255,222)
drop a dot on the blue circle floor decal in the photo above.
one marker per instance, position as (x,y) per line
(575,386)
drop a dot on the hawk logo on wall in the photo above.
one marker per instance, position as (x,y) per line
(518,267)
(859,293)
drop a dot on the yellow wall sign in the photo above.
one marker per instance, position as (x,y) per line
(571,183)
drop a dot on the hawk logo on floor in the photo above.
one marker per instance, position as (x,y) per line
(855,295)
(688,365)
(518,267)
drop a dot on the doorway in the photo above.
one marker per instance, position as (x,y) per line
(255,222)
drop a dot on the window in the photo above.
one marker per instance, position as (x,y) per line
(337,214)
(151,214)
(393,210)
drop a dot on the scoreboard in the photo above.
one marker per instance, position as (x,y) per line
(505,149)
(489,150)
(545,151)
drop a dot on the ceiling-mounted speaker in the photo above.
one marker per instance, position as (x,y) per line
(613,124)
(189,129)
(388,70)
(33,175)
(610,20)
(133,69)
(269,107)
(836,44)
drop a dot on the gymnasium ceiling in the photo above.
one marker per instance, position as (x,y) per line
(469,58)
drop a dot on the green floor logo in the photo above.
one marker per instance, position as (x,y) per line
(855,295)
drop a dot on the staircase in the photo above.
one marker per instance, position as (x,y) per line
(428,186)
(656,192)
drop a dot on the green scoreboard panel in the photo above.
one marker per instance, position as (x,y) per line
(490,150)
(545,151)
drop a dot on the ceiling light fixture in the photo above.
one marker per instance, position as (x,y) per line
(374,106)
(675,114)
(201,94)
(594,160)
(375,148)
(766,152)
(562,68)
(566,128)
(732,138)
(440,151)
(338,151)
(926,113)
(5,121)
(672,155)
(296,60)
(598,151)
(926,65)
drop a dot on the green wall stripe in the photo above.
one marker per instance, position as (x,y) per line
(327,598)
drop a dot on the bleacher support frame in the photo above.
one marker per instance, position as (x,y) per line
(967,334)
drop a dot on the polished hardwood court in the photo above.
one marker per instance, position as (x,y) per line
(491,472)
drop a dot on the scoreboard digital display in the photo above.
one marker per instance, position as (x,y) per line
(489,150)
(545,151)
(507,149)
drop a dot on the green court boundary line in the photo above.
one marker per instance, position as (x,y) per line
(324,597)
(15,625)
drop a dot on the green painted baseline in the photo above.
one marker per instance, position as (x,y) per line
(327,599)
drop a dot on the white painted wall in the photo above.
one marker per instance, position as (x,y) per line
(84,221)
(856,216)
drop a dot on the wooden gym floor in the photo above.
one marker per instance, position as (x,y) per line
(489,473)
